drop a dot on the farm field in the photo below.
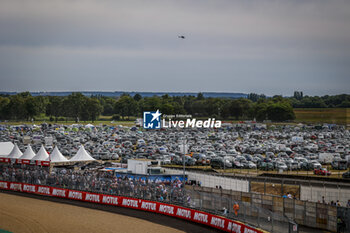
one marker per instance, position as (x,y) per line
(323,115)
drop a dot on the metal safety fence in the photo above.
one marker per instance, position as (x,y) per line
(234,208)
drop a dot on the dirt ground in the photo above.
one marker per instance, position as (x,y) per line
(23,214)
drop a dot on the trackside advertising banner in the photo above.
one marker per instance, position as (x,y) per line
(215,221)
(25,161)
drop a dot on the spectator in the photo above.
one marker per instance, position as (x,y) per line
(236,208)
(338,203)
(225,211)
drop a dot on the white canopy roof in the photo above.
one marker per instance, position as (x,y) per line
(15,153)
(82,155)
(5,149)
(28,154)
(89,126)
(42,155)
(56,156)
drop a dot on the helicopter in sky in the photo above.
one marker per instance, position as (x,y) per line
(181,37)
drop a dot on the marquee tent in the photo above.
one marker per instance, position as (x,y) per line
(28,153)
(42,155)
(15,153)
(56,156)
(5,149)
(82,155)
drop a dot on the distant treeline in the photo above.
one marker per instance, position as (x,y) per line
(301,101)
(24,106)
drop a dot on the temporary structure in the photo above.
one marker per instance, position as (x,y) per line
(56,156)
(5,149)
(28,154)
(15,153)
(42,155)
(82,155)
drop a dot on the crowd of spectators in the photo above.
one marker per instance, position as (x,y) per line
(97,181)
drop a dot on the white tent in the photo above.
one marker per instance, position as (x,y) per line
(28,154)
(42,155)
(15,153)
(82,155)
(56,156)
(5,149)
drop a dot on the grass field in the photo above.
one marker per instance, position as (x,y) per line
(323,115)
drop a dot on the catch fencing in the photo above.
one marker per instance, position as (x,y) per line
(225,202)
(274,212)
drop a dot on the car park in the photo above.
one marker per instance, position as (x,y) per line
(242,145)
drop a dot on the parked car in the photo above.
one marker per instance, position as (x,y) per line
(346,175)
(322,172)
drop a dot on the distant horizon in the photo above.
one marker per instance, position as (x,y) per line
(180,93)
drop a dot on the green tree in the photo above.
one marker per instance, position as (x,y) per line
(4,101)
(200,96)
(125,106)
(16,108)
(167,108)
(137,97)
(55,107)
(74,105)
(91,109)
(31,106)
(280,111)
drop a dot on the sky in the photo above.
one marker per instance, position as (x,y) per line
(262,46)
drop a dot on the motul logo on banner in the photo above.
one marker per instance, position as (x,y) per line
(16,187)
(59,192)
(75,195)
(218,222)
(29,188)
(183,213)
(3,185)
(236,228)
(110,200)
(131,203)
(166,209)
(92,197)
(148,206)
(44,190)
(201,217)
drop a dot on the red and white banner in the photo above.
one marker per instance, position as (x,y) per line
(215,221)
(25,161)
(4,160)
